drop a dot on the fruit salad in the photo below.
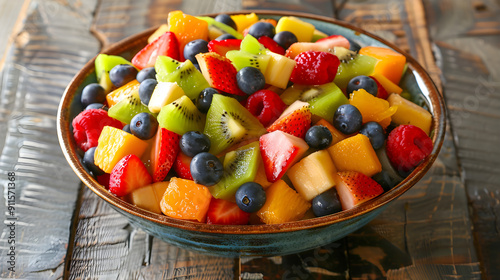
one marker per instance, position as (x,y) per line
(245,120)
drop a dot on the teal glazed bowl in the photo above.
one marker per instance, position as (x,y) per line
(255,240)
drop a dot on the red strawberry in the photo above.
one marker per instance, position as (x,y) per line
(219,72)
(128,175)
(407,146)
(279,151)
(295,120)
(181,166)
(270,44)
(381,93)
(104,180)
(223,212)
(167,44)
(223,46)
(315,68)
(323,45)
(164,153)
(355,187)
(266,105)
(87,127)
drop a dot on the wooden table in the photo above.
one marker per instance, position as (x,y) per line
(446,227)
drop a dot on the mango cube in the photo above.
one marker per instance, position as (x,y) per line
(303,30)
(410,113)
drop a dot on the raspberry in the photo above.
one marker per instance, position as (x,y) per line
(407,146)
(87,127)
(266,105)
(315,68)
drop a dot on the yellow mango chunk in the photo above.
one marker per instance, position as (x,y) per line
(245,20)
(302,30)
(390,63)
(373,109)
(186,28)
(184,199)
(410,113)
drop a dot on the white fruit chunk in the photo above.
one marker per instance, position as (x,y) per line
(163,94)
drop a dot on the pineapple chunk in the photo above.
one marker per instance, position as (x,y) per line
(303,30)
(410,113)
(279,69)
(313,175)
(163,94)
(145,198)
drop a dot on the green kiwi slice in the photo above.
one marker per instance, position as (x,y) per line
(128,107)
(228,123)
(241,59)
(323,99)
(181,116)
(240,166)
(251,44)
(103,64)
(352,65)
(184,74)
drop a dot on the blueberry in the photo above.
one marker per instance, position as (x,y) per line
(93,93)
(363,82)
(122,74)
(262,28)
(225,36)
(250,197)
(193,143)
(195,47)
(374,132)
(318,137)
(250,80)
(88,161)
(347,119)
(146,73)
(205,99)
(227,20)
(385,180)
(206,169)
(326,203)
(353,46)
(146,89)
(96,106)
(285,39)
(144,126)
(126,128)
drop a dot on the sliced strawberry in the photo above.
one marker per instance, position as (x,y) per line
(270,44)
(355,188)
(279,151)
(128,175)
(164,153)
(87,127)
(295,120)
(223,46)
(219,72)
(315,68)
(322,45)
(181,166)
(266,105)
(223,212)
(167,44)
(381,93)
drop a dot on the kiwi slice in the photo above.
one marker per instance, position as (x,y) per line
(251,44)
(240,166)
(128,107)
(242,59)
(228,123)
(184,74)
(352,65)
(323,99)
(181,116)
(215,29)
(103,64)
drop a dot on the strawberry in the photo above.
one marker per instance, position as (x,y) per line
(164,153)
(181,166)
(315,68)
(407,146)
(223,212)
(381,93)
(128,175)
(355,187)
(323,45)
(103,180)
(219,72)
(166,44)
(87,127)
(266,105)
(223,46)
(270,44)
(279,151)
(295,120)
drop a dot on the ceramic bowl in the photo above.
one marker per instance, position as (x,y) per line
(255,240)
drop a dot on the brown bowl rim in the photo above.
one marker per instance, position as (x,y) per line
(69,148)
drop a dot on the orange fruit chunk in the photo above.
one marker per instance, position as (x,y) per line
(244,20)
(113,145)
(283,204)
(391,63)
(118,94)
(372,108)
(186,200)
(186,28)
(410,113)
(355,154)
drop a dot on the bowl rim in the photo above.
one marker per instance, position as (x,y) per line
(70,151)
